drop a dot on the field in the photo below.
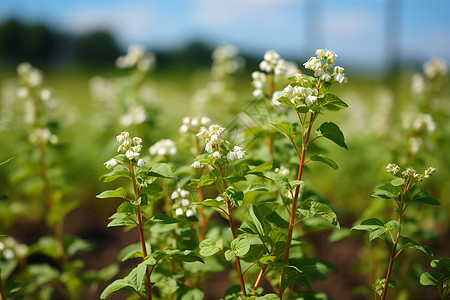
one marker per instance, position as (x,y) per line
(189,210)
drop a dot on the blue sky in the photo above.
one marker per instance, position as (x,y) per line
(355,29)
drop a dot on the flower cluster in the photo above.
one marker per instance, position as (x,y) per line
(131,147)
(11,248)
(282,170)
(226,61)
(136,57)
(212,137)
(182,202)
(43,136)
(164,147)
(236,153)
(418,126)
(435,67)
(31,76)
(217,146)
(322,66)
(194,123)
(410,175)
(300,94)
(136,115)
(273,69)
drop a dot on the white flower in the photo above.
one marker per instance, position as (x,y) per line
(136,115)
(320,53)
(340,78)
(184,193)
(137,140)
(164,147)
(313,64)
(46,94)
(205,121)
(392,168)
(197,165)
(131,154)
(429,171)
(140,162)
(185,202)
(215,154)
(179,211)
(236,153)
(123,136)
(434,67)
(330,57)
(258,94)
(417,83)
(325,77)
(282,170)
(310,100)
(190,212)
(110,163)
(183,128)
(203,133)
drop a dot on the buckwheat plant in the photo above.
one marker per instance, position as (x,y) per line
(309,97)
(219,154)
(403,190)
(136,211)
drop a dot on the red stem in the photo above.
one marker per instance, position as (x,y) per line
(233,233)
(141,232)
(294,203)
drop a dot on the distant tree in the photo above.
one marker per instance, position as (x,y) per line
(97,48)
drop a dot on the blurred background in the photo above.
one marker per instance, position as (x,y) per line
(382,44)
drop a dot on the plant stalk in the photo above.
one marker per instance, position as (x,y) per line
(141,232)
(294,205)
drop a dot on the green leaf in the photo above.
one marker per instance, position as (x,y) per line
(186,255)
(122,219)
(311,208)
(333,103)
(209,247)
(398,181)
(209,178)
(282,182)
(442,264)
(236,197)
(115,286)
(303,109)
(210,203)
(162,170)
(262,167)
(369,225)
(229,254)
(153,189)
(386,191)
(133,254)
(285,129)
(268,297)
(117,193)
(258,220)
(286,101)
(257,187)
(4,197)
(164,219)
(119,171)
(141,270)
(423,196)
(6,161)
(332,132)
(406,242)
(324,159)
(240,246)
(430,278)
